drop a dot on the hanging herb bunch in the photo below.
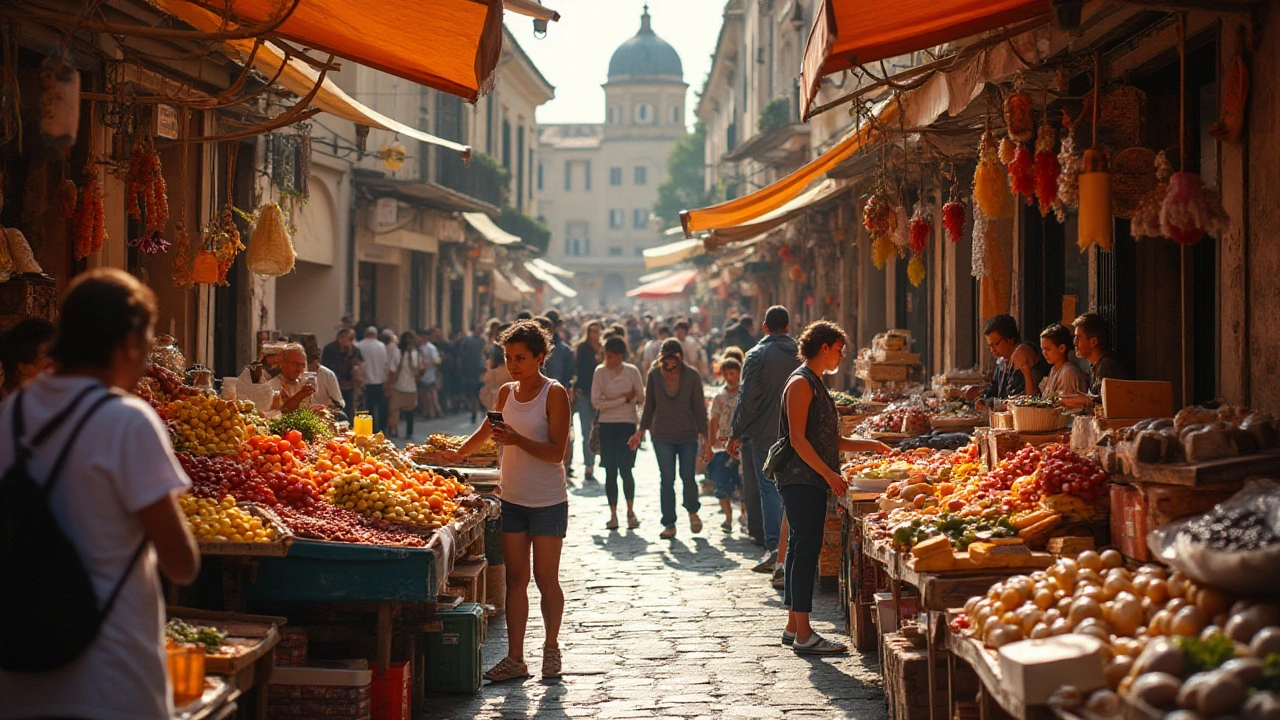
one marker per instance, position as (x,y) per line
(880,218)
(181,255)
(89,222)
(1047,168)
(146,196)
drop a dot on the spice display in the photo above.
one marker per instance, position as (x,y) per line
(1047,169)
(89,224)
(1022,179)
(146,194)
(916,271)
(1018,117)
(953,220)
(59,102)
(990,184)
(68,195)
(270,252)
(1068,195)
(1189,211)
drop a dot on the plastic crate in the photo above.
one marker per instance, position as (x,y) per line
(342,572)
(391,692)
(453,655)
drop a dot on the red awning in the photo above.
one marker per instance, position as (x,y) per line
(676,283)
(847,33)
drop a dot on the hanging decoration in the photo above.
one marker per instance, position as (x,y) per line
(953,220)
(990,186)
(921,227)
(68,195)
(270,252)
(880,218)
(1047,169)
(181,253)
(1190,211)
(145,192)
(797,274)
(1022,179)
(220,241)
(1096,222)
(1145,222)
(59,102)
(89,224)
(1008,149)
(982,232)
(1068,195)
(1018,118)
(916,271)
(901,235)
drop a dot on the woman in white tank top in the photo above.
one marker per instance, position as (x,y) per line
(530,419)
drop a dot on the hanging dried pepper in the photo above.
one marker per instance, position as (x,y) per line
(879,215)
(921,228)
(1068,179)
(89,224)
(1018,116)
(1046,170)
(68,196)
(1007,150)
(145,191)
(881,250)
(1022,173)
(953,220)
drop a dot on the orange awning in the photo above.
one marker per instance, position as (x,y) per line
(450,45)
(846,33)
(677,283)
(749,207)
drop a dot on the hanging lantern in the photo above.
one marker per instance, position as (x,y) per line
(1189,210)
(1095,201)
(393,155)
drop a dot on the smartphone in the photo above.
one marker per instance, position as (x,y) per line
(495,418)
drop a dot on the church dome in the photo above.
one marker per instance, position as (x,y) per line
(645,56)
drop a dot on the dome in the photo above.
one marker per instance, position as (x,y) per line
(645,55)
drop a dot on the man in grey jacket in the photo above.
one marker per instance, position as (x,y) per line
(755,422)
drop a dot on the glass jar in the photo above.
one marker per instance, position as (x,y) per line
(166,354)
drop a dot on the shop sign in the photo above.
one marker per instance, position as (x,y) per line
(167,122)
(386,215)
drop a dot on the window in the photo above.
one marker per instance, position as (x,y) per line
(568,174)
(539,176)
(617,219)
(640,219)
(615,251)
(568,246)
(642,175)
(577,246)
(586,183)
(613,114)
(575,241)
(675,115)
(644,113)
(615,176)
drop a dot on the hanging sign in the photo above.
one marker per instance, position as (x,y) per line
(167,122)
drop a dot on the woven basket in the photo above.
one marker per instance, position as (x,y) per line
(1031,419)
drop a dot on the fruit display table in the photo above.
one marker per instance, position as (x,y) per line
(968,655)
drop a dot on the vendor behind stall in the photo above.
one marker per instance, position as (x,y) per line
(1019,367)
(1093,343)
(290,391)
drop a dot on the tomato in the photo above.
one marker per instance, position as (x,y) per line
(355,457)
(293,436)
(384,473)
(367,469)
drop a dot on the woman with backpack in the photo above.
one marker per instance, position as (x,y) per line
(81,613)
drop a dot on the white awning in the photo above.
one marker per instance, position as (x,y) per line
(650,277)
(504,291)
(491,232)
(672,253)
(552,268)
(550,280)
(524,287)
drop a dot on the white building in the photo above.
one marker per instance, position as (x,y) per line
(597,184)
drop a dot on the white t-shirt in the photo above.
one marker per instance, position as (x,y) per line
(405,369)
(430,359)
(121,463)
(330,392)
(722,406)
(374,353)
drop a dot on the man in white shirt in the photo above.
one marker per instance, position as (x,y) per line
(289,390)
(428,384)
(117,493)
(329,393)
(376,365)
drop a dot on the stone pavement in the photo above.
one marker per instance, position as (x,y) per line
(678,628)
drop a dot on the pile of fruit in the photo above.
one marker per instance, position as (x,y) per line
(429,452)
(381,491)
(182,633)
(962,531)
(224,521)
(905,421)
(161,384)
(205,424)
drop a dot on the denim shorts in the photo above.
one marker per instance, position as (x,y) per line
(726,474)
(550,521)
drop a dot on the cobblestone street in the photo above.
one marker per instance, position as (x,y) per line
(678,628)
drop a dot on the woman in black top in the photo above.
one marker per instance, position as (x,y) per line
(587,356)
(813,426)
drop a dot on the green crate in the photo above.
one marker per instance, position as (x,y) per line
(315,571)
(453,655)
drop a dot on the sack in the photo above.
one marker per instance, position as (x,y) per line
(270,252)
(593,442)
(778,456)
(49,613)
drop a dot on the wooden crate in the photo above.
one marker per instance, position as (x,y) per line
(829,556)
(22,298)
(906,679)
(1139,508)
(469,576)
(881,372)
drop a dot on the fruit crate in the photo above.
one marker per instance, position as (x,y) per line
(277,548)
(318,571)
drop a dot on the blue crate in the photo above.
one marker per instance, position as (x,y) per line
(342,572)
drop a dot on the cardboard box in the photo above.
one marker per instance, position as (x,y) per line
(1136,398)
(908,608)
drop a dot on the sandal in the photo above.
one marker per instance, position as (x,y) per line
(633,522)
(818,645)
(551,660)
(788,638)
(727,526)
(668,533)
(612,524)
(507,669)
(695,523)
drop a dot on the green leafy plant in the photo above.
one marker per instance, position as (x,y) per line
(304,421)
(775,115)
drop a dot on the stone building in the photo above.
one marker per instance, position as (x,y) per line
(597,183)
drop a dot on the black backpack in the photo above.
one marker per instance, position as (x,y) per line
(49,613)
